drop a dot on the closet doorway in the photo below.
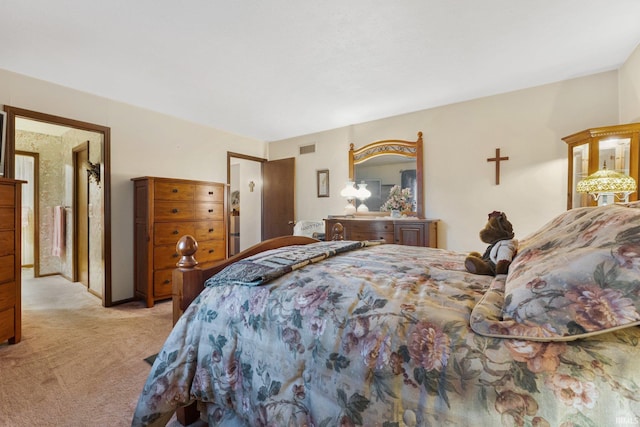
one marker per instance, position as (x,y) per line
(244,184)
(58,204)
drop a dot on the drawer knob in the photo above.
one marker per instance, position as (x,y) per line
(167,281)
(211,230)
(175,190)
(175,231)
(210,210)
(174,210)
(211,193)
(211,251)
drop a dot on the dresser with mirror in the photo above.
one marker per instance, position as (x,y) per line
(380,166)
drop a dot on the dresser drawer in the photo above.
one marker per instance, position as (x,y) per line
(162,283)
(7,268)
(172,211)
(7,218)
(7,195)
(388,237)
(209,193)
(210,250)
(7,325)
(7,242)
(173,191)
(208,210)
(371,226)
(369,230)
(209,230)
(7,295)
(165,256)
(165,233)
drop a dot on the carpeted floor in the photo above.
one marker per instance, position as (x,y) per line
(78,364)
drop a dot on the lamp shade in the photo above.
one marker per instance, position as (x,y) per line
(363,194)
(349,191)
(607,181)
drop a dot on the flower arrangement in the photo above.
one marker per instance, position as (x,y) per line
(399,199)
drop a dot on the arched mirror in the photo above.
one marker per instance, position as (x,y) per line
(381,165)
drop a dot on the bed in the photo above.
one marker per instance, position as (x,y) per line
(362,333)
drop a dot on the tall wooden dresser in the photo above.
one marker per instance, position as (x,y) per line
(164,210)
(10,261)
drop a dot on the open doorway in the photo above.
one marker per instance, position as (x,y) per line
(55,244)
(27,169)
(244,179)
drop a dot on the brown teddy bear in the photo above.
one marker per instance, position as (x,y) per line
(498,232)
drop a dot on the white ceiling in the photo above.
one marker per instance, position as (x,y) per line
(273,69)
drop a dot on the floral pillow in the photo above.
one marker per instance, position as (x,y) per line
(577,276)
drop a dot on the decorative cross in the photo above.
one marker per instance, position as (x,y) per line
(497,159)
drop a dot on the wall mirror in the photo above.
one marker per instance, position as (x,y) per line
(383,164)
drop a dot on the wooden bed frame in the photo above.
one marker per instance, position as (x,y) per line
(188,282)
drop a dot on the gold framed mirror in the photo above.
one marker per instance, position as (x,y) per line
(388,163)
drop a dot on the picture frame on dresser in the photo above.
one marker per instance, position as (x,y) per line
(322,180)
(3,140)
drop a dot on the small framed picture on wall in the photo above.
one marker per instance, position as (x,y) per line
(323,183)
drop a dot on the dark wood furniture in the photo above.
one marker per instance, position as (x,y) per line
(164,210)
(410,231)
(189,278)
(10,260)
(618,146)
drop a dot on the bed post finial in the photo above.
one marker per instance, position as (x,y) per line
(186,247)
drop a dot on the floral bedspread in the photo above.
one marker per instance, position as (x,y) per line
(380,336)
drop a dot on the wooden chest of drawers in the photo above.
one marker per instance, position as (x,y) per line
(166,209)
(411,231)
(10,259)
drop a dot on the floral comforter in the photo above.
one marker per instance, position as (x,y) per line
(379,336)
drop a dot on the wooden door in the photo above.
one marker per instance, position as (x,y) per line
(81,214)
(278,198)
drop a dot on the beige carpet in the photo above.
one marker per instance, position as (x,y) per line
(78,364)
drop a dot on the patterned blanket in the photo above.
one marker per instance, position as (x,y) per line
(379,336)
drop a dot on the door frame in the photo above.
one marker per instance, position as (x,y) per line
(9,171)
(75,269)
(233,155)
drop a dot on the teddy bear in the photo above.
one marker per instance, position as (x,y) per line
(498,233)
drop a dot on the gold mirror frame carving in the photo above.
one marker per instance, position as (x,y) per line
(413,149)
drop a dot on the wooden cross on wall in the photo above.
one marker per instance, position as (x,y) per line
(497,159)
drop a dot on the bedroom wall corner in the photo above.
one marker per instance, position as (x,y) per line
(629,88)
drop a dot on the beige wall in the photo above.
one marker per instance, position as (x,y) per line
(629,88)
(142,143)
(527,126)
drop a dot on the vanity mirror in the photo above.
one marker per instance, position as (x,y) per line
(384,164)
